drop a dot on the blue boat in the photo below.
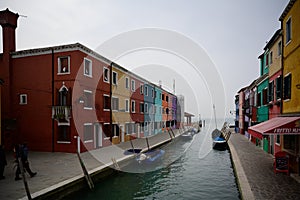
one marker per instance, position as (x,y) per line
(219,143)
(151,156)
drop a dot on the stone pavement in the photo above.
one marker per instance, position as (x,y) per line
(56,169)
(254,169)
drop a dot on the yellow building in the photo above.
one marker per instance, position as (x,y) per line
(290,24)
(120,103)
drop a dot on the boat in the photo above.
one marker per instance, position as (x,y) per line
(188,135)
(150,157)
(219,143)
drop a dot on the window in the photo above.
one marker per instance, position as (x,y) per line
(271,57)
(163,97)
(146,90)
(267,59)
(88,103)
(87,67)
(106,102)
(23,99)
(167,98)
(288,30)
(258,99)
(153,94)
(287,87)
(64,65)
(132,85)
(106,74)
(271,91)
(146,108)
(64,134)
(126,105)
(278,139)
(133,106)
(278,87)
(289,142)
(115,103)
(115,130)
(127,83)
(88,132)
(115,78)
(141,89)
(142,107)
(279,50)
(265,96)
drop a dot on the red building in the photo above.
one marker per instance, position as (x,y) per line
(45,89)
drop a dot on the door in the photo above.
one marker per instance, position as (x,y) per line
(271,144)
(98,135)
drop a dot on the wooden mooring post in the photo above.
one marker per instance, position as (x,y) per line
(86,174)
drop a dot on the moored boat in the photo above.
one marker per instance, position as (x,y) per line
(219,143)
(151,156)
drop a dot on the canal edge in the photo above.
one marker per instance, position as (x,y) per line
(76,183)
(242,181)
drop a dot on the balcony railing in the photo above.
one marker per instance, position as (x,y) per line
(61,113)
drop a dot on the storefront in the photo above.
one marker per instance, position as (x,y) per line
(286,128)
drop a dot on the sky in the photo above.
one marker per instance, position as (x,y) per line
(210,48)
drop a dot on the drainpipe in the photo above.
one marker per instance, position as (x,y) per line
(52,60)
(282,49)
(110,94)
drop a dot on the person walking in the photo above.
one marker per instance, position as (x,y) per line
(24,158)
(21,154)
(3,162)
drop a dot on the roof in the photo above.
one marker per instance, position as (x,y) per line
(287,9)
(186,114)
(273,39)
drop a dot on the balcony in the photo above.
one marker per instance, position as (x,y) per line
(62,114)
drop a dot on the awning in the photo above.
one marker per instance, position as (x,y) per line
(278,125)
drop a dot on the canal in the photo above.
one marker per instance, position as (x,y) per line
(190,170)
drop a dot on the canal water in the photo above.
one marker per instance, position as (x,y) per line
(190,170)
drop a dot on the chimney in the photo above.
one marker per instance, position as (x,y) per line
(8,21)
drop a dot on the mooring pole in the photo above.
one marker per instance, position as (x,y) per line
(147,143)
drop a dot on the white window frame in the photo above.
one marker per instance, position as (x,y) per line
(146,109)
(287,42)
(23,99)
(115,80)
(127,106)
(106,95)
(146,90)
(105,68)
(152,91)
(87,124)
(127,83)
(90,74)
(59,71)
(141,88)
(133,85)
(90,92)
(112,108)
(133,106)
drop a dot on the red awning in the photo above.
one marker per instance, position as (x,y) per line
(278,125)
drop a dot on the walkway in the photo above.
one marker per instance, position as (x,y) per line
(254,169)
(57,169)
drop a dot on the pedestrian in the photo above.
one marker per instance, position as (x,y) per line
(24,158)
(3,162)
(21,154)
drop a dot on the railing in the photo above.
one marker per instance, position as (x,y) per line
(61,113)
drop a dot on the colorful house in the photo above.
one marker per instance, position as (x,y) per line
(149,108)
(158,109)
(274,46)
(290,25)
